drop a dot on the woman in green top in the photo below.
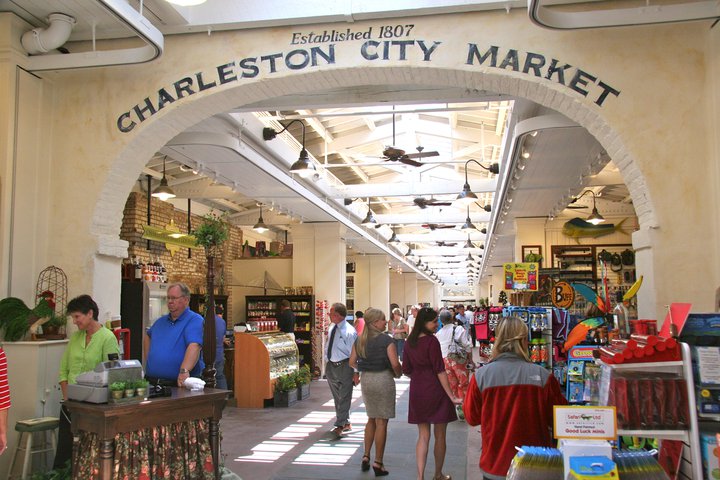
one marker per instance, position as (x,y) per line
(90,345)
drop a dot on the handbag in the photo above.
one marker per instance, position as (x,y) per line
(456,350)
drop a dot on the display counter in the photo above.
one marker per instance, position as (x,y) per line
(160,436)
(261,357)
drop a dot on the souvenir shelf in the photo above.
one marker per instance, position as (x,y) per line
(691,463)
(260,358)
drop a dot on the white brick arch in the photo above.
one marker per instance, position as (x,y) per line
(158,130)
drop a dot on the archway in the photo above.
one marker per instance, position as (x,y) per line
(156,132)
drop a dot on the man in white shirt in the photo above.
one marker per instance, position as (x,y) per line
(339,373)
(411,317)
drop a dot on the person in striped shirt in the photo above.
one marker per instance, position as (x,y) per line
(4,401)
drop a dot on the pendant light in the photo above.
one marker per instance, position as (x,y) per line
(369,218)
(302,166)
(260,226)
(595,218)
(468,223)
(163,191)
(393,238)
(469,244)
(466,197)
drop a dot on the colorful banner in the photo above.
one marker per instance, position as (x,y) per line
(521,276)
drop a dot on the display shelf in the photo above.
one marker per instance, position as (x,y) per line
(691,464)
(650,366)
(267,307)
(680,435)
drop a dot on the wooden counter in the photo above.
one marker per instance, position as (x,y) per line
(106,421)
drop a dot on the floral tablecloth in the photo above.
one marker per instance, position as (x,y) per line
(180,451)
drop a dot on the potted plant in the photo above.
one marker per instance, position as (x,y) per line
(53,328)
(302,378)
(210,234)
(117,390)
(141,387)
(285,391)
(129,389)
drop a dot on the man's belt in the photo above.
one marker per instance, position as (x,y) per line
(337,364)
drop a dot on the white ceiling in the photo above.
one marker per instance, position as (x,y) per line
(223,162)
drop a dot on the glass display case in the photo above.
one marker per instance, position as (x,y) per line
(260,358)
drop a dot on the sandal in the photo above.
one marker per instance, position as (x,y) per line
(365,465)
(380,470)
(442,477)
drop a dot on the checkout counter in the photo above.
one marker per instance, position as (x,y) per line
(176,432)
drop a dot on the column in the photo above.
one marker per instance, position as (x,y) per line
(319,259)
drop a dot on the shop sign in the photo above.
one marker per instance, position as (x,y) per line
(563,295)
(587,423)
(521,276)
(169,237)
(316,49)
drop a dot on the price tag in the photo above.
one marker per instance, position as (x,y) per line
(590,423)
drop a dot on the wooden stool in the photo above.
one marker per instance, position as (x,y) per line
(30,426)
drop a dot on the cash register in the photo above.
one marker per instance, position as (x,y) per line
(92,386)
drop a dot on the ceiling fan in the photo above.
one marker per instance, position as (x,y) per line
(398,155)
(445,244)
(436,226)
(424,202)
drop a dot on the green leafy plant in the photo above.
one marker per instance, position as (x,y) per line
(303,376)
(285,383)
(212,232)
(138,384)
(16,317)
(118,386)
(57,320)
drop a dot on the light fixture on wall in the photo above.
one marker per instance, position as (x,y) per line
(466,197)
(260,226)
(369,218)
(163,191)
(595,218)
(303,166)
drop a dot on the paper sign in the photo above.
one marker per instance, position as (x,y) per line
(591,423)
(708,364)
(521,276)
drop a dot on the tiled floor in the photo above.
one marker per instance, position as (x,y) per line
(296,443)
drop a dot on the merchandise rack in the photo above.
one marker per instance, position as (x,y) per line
(691,463)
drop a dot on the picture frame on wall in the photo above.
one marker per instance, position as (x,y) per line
(531,253)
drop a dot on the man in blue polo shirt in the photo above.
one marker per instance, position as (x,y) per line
(174,343)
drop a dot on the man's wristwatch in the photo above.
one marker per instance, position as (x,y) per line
(184,370)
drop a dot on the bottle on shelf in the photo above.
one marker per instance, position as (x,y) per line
(138,268)
(621,318)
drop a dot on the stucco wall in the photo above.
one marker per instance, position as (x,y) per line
(657,130)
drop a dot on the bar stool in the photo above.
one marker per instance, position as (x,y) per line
(29,427)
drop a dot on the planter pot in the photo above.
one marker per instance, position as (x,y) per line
(285,399)
(117,394)
(140,392)
(129,392)
(303,391)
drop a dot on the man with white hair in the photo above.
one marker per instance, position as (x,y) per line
(411,318)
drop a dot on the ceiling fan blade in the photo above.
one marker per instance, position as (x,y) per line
(422,154)
(404,159)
